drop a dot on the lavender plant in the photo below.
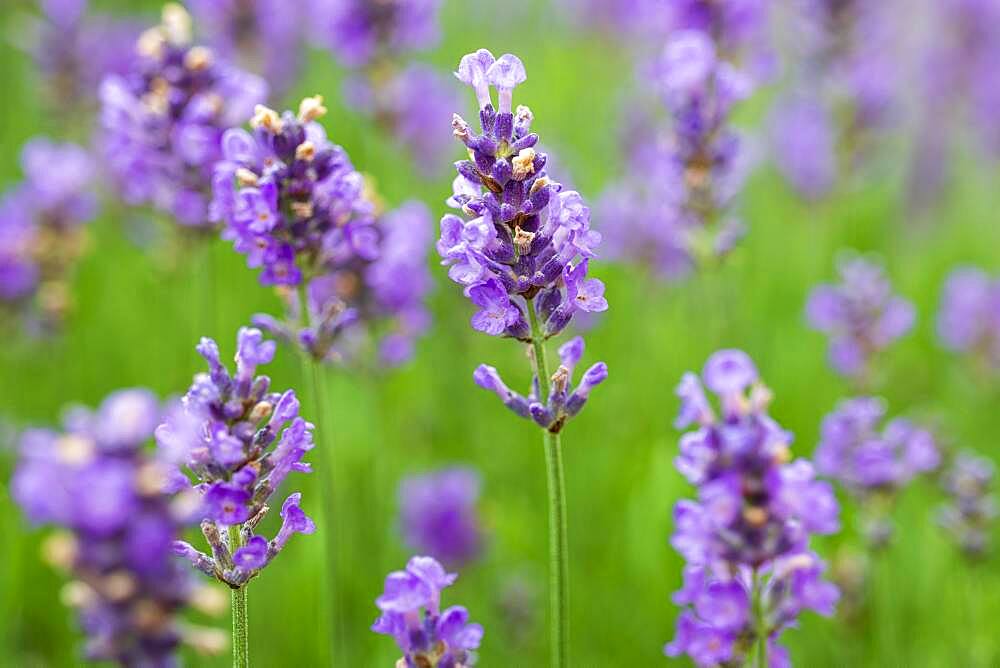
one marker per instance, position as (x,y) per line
(971,510)
(96,482)
(292,202)
(238,441)
(521,255)
(42,233)
(411,613)
(162,122)
(969,316)
(263,36)
(873,465)
(438,516)
(374,40)
(676,207)
(749,572)
(861,315)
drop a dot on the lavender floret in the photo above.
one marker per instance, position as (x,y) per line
(438,515)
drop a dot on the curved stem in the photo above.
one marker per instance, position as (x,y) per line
(558,535)
(241,629)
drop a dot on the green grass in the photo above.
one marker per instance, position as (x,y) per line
(137,320)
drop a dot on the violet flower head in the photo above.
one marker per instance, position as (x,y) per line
(751,523)
(263,36)
(861,315)
(804,145)
(438,515)
(239,441)
(293,203)
(971,510)
(412,615)
(362,31)
(96,482)
(41,228)
(969,317)
(163,121)
(523,243)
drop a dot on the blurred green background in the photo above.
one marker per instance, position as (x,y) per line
(140,311)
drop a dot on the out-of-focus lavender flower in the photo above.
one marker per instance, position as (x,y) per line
(75,49)
(972,509)
(293,203)
(873,465)
(861,315)
(422,127)
(362,31)
(411,613)
(263,36)
(240,441)
(747,534)
(438,515)
(41,228)
(95,481)
(163,121)
(524,244)
(803,141)
(969,317)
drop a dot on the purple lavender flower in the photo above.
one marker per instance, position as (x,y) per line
(747,534)
(239,441)
(972,505)
(163,121)
(361,31)
(263,36)
(293,203)
(412,615)
(874,466)
(75,49)
(95,481)
(438,514)
(41,228)
(804,145)
(861,315)
(969,317)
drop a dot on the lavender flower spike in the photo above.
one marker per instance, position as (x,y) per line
(746,538)
(292,202)
(96,482)
(969,318)
(163,122)
(861,315)
(972,508)
(239,441)
(412,615)
(438,514)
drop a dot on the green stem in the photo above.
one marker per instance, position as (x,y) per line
(558,538)
(760,623)
(241,629)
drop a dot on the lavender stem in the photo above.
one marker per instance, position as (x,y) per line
(760,624)
(241,635)
(558,541)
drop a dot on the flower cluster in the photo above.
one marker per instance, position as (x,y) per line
(265,36)
(95,481)
(969,318)
(563,402)
(360,32)
(74,50)
(293,203)
(972,507)
(163,121)
(438,514)
(240,441)
(517,254)
(873,465)
(41,227)
(411,613)
(861,315)
(675,208)
(845,75)
(747,534)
